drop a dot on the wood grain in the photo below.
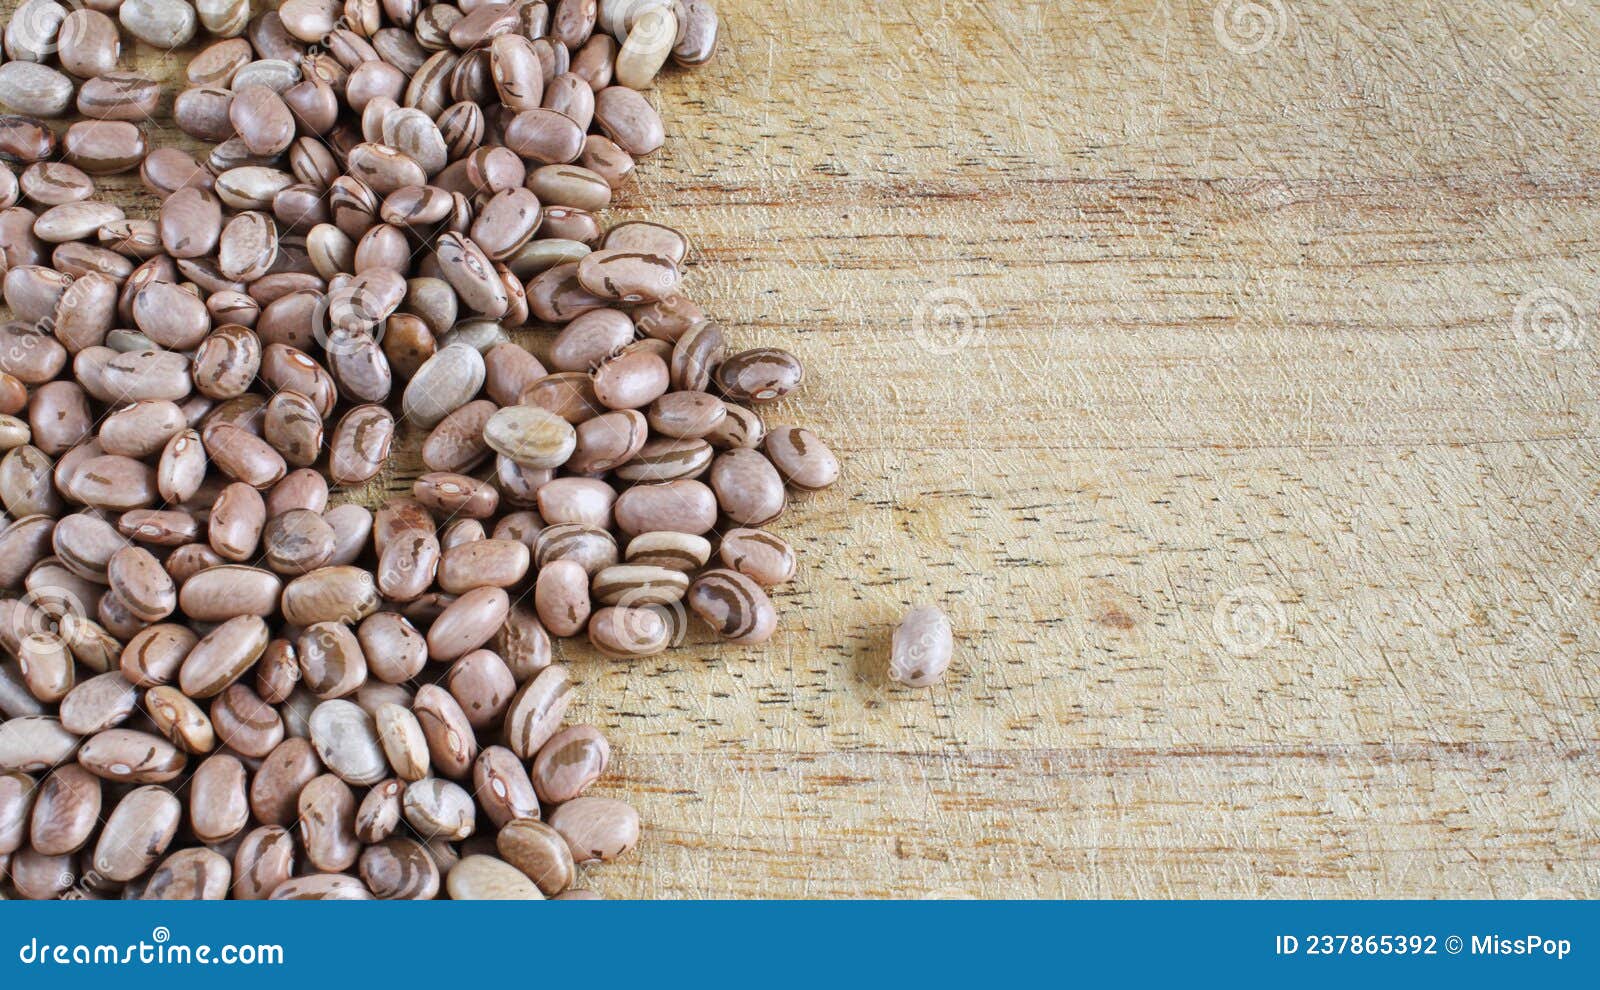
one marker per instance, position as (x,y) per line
(1238,404)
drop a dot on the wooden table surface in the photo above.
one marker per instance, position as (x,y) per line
(1226,371)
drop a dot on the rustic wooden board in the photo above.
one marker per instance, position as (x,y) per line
(1196,366)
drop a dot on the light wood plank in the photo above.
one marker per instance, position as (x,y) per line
(1270,822)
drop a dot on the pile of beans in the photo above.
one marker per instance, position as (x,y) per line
(232,679)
